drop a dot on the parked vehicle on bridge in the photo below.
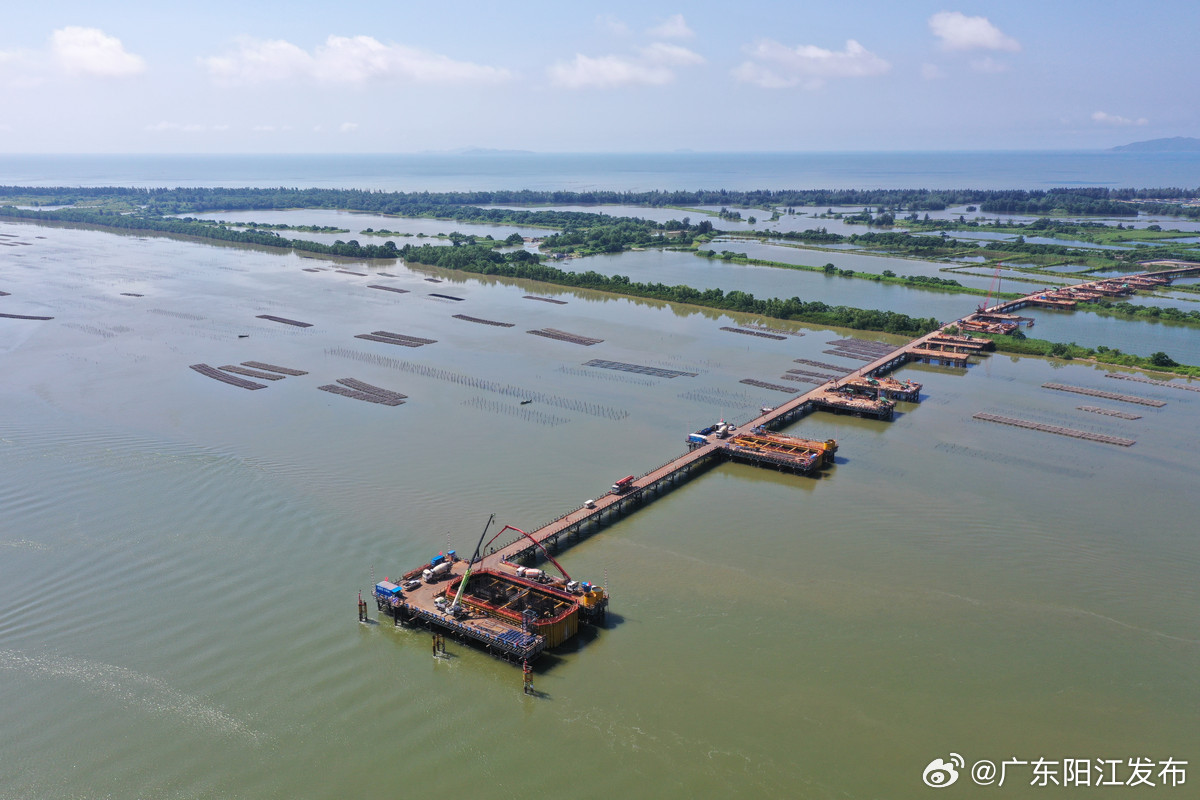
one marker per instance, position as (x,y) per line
(622,486)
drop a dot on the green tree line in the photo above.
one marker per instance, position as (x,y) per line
(523,264)
(179,200)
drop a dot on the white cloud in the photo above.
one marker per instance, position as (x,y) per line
(607,22)
(673,54)
(18,69)
(1114,119)
(960,32)
(607,72)
(776,66)
(259,61)
(348,127)
(342,59)
(90,51)
(673,27)
(653,67)
(931,72)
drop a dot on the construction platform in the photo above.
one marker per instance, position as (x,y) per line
(508,611)
(984,326)
(845,400)
(1111,289)
(1051,301)
(964,344)
(887,388)
(791,453)
(927,355)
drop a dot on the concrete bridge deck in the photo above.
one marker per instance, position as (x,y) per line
(688,464)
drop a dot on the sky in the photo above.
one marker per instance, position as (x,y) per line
(259,76)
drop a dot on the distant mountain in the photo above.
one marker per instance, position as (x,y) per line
(1176,144)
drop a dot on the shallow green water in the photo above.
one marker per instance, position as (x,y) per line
(180,558)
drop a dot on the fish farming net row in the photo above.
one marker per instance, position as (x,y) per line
(405,337)
(395,289)
(621,378)
(854,348)
(284,320)
(811,374)
(563,336)
(720,397)
(370,389)
(865,352)
(848,354)
(749,332)
(370,337)
(517,412)
(273,368)
(840,368)
(781,331)
(546,299)
(802,379)
(401,339)
(1153,382)
(92,329)
(482,384)
(1109,412)
(465,318)
(851,341)
(251,373)
(641,369)
(445,296)
(177,314)
(1124,398)
(224,377)
(348,272)
(764,385)
(1061,431)
(692,363)
(333,388)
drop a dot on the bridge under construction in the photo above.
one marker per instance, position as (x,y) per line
(515,611)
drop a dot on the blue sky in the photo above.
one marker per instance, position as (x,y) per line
(399,76)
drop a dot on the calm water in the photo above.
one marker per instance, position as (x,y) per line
(355,223)
(180,558)
(686,268)
(216,537)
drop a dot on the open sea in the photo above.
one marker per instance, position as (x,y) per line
(617,172)
(180,559)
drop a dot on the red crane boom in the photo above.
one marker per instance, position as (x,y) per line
(545,552)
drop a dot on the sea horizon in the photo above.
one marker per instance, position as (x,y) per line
(634,172)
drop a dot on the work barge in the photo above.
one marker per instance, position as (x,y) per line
(500,600)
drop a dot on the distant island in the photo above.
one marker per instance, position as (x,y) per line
(1175,144)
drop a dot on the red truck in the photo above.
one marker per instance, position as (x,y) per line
(622,486)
